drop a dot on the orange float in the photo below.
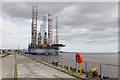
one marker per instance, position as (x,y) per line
(78,57)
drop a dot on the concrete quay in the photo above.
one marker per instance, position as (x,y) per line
(7,65)
(28,68)
(0,68)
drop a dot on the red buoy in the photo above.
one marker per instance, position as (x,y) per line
(78,57)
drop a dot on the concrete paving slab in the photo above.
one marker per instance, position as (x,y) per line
(8,64)
(0,68)
(33,69)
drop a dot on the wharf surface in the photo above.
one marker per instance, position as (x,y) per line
(28,68)
(8,64)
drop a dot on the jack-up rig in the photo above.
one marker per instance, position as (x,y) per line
(42,42)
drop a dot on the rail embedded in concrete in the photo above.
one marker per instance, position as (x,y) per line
(15,69)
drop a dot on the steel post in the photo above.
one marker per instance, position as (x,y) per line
(101,72)
(68,65)
(76,68)
(86,69)
(63,64)
(51,60)
(48,60)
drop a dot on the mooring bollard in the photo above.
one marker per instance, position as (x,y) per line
(76,68)
(68,65)
(101,72)
(86,69)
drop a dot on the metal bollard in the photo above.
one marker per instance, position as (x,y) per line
(76,68)
(68,65)
(86,69)
(101,72)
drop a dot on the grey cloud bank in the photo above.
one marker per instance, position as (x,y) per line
(81,23)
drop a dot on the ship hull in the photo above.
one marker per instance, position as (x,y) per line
(43,51)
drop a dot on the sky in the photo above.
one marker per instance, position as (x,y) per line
(83,26)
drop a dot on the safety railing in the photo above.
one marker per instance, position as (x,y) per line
(105,71)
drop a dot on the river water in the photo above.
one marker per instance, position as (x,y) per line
(109,61)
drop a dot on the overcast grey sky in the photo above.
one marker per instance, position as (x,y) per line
(83,26)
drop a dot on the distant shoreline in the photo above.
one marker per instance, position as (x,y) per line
(92,52)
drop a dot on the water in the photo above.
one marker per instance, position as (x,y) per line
(109,61)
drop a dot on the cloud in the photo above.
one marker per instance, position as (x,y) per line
(24,9)
(91,22)
(81,23)
(14,35)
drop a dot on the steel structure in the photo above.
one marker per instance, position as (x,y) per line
(57,40)
(39,39)
(34,26)
(49,29)
(45,31)
(42,42)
